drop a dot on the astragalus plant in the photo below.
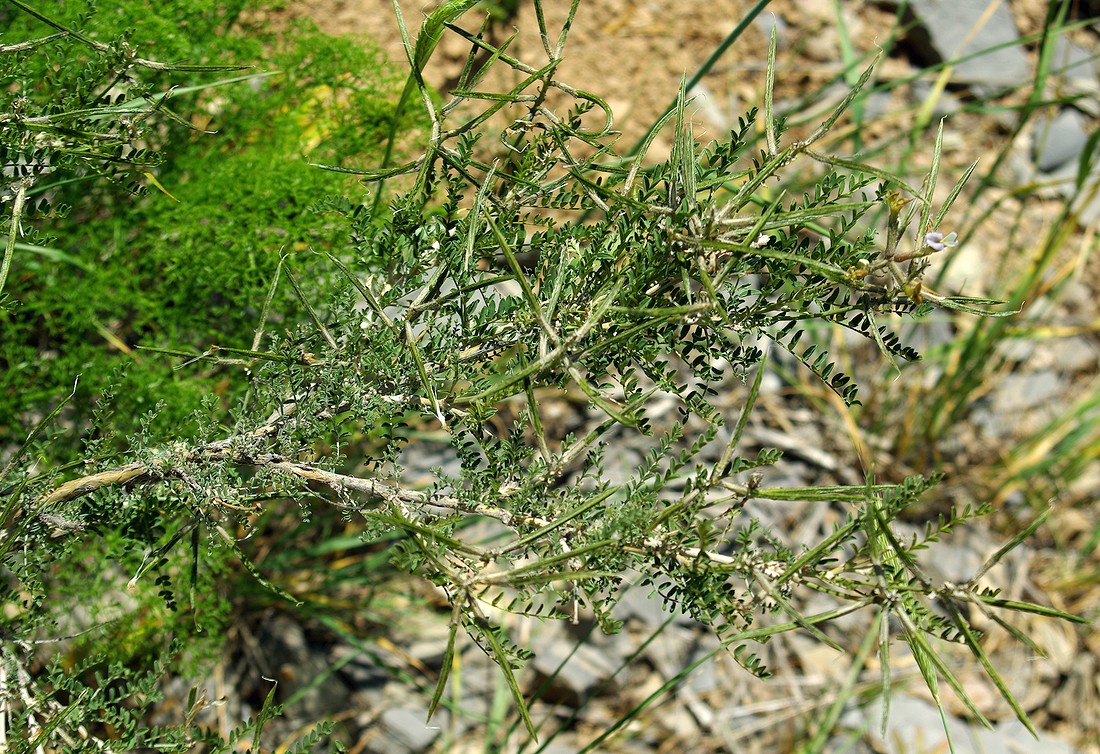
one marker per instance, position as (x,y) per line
(474,301)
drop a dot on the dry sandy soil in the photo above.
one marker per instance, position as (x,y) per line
(633,53)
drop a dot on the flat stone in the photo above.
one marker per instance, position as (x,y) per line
(1028,390)
(917,720)
(703,679)
(1076,354)
(360,673)
(1088,206)
(765,22)
(945,104)
(707,104)
(1075,73)
(953,29)
(641,603)
(573,676)
(1059,140)
(1021,403)
(407,731)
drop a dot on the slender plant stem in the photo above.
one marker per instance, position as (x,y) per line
(16,216)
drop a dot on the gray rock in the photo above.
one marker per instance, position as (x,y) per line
(1021,403)
(1010,732)
(946,103)
(947,32)
(427,634)
(916,720)
(1062,181)
(1074,72)
(556,748)
(360,673)
(1077,354)
(641,603)
(571,676)
(1088,205)
(301,668)
(704,679)
(936,331)
(947,560)
(707,104)
(878,105)
(1076,300)
(407,732)
(677,648)
(1059,140)
(1028,390)
(646,605)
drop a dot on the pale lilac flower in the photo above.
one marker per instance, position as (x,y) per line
(938,241)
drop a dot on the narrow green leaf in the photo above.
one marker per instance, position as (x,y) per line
(504,662)
(1011,544)
(1031,607)
(972,305)
(991,672)
(448,660)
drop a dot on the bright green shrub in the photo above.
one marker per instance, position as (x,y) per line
(124,271)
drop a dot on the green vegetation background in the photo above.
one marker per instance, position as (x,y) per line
(185,271)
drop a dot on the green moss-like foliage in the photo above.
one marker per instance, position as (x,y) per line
(185,264)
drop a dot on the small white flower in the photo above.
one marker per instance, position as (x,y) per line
(938,241)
